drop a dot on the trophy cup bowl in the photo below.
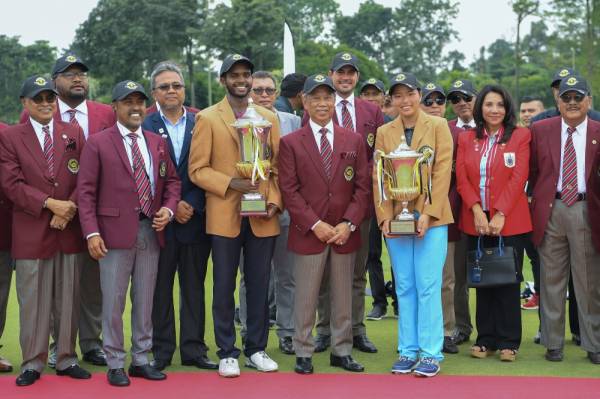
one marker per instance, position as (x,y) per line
(401,171)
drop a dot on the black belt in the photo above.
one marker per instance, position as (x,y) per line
(580,196)
(142,216)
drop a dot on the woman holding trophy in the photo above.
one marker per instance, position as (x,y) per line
(412,179)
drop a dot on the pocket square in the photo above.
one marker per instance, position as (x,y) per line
(349,155)
(70,144)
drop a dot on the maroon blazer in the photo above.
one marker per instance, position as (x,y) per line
(309,195)
(100,116)
(453,196)
(5,215)
(593,197)
(108,200)
(153,109)
(545,167)
(27,183)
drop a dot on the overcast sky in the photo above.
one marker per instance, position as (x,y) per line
(479,22)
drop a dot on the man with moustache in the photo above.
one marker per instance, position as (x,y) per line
(364,118)
(6,264)
(39,162)
(187,246)
(70,77)
(128,193)
(563,150)
(214,152)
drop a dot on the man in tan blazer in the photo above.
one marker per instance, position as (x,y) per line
(214,152)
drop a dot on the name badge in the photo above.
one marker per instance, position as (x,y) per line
(509,159)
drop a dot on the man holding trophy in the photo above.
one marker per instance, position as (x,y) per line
(411,183)
(233,157)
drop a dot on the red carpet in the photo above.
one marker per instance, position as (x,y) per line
(292,386)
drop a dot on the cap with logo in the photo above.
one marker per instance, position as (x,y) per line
(431,88)
(36,84)
(233,59)
(560,75)
(573,83)
(64,62)
(463,86)
(406,79)
(342,59)
(125,88)
(378,84)
(314,81)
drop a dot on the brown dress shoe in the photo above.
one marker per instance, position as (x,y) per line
(5,366)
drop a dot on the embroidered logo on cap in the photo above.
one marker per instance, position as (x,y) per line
(572,81)
(319,78)
(346,57)
(400,77)
(430,86)
(563,73)
(372,81)
(71,58)
(40,81)
(236,57)
(131,85)
(458,83)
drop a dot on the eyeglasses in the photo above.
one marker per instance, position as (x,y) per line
(49,98)
(428,102)
(566,98)
(166,86)
(261,90)
(459,97)
(73,75)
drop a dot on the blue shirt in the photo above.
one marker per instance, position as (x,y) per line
(176,132)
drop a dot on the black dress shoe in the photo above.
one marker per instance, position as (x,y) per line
(27,377)
(160,364)
(95,357)
(346,362)
(594,357)
(202,362)
(460,338)
(554,355)
(363,344)
(146,371)
(75,371)
(286,345)
(322,342)
(117,378)
(449,346)
(303,365)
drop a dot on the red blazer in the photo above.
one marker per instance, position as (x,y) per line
(5,215)
(309,195)
(100,116)
(26,182)
(545,167)
(507,184)
(152,109)
(108,201)
(453,196)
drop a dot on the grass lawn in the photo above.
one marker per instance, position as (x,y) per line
(383,333)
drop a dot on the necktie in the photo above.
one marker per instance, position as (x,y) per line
(142,181)
(72,120)
(569,172)
(48,150)
(408,134)
(346,118)
(326,152)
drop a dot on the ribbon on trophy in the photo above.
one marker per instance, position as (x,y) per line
(380,171)
(427,156)
(258,166)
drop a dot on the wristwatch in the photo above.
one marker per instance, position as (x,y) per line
(352,226)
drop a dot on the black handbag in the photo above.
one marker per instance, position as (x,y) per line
(492,267)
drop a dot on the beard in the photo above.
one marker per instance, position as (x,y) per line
(232,91)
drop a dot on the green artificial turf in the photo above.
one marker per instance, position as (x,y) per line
(530,360)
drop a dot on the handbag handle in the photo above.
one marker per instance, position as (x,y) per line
(480,251)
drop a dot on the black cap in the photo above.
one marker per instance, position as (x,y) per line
(233,59)
(560,75)
(36,84)
(64,62)
(343,59)
(292,84)
(463,86)
(431,88)
(573,83)
(125,88)
(314,81)
(378,84)
(407,79)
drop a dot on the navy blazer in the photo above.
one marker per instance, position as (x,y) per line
(194,231)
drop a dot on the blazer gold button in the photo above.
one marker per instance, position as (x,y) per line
(594,142)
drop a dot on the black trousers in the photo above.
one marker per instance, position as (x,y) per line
(534,257)
(190,262)
(375,269)
(498,309)
(258,252)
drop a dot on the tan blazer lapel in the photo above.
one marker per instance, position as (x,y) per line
(226,113)
(422,128)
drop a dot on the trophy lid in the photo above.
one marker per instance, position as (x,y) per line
(251,117)
(403,151)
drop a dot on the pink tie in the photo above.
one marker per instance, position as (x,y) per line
(142,181)
(48,150)
(346,118)
(569,172)
(326,152)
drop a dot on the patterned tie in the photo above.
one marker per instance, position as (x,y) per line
(569,172)
(48,150)
(142,181)
(72,120)
(326,152)
(346,118)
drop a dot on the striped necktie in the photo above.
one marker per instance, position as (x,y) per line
(346,117)
(326,152)
(72,119)
(569,171)
(142,181)
(48,150)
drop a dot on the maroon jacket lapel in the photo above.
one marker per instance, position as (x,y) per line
(58,142)
(117,140)
(339,142)
(591,146)
(309,143)
(554,133)
(32,144)
(155,153)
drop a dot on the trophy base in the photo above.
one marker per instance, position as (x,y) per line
(403,227)
(253,205)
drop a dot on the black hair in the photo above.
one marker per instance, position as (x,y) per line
(264,75)
(528,99)
(510,116)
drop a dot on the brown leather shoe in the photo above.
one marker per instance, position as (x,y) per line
(5,366)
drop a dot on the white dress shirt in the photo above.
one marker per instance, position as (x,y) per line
(37,127)
(350,106)
(461,124)
(141,141)
(579,140)
(316,129)
(81,115)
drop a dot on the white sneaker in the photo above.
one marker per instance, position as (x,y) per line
(229,367)
(262,362)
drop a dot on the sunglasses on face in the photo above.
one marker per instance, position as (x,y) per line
(166,86)
(73,75)
(48,98)
(428,102)
(260,90)
(567,98)
(458,98)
